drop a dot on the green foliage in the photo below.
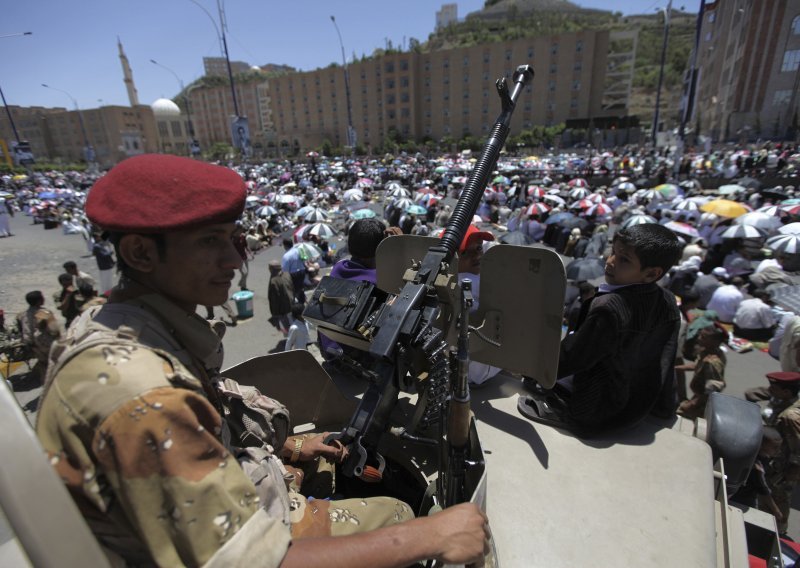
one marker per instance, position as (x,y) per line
(42,167)
(220,151)
(536,136)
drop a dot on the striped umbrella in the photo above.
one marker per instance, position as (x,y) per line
(537,209)
(790,209)
(742,232)
(581,204)
(399,192)
(761,221)
(776,210)
(316,215)
(266,211)
(354,194)
(537,192)
(790,229)
(683,229)
(599,209)
(403,203)
(578,182)
(638,220)
(652,195)
(596,198)
(786,244)
(321,230)
(554,199)
(687,205)
(579,192)
(626,186)
(427,199)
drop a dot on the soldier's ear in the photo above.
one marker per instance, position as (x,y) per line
(139,252)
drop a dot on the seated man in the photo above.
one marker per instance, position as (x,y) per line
(135,416)
(618,365)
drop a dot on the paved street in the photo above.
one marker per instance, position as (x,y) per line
(32,260)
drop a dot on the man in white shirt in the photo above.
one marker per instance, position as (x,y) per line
(726,299)
(755,320)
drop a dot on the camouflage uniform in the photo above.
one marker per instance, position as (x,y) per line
(39,329)
(132,422)
(783,472)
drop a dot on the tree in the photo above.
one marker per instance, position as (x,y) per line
(220,151)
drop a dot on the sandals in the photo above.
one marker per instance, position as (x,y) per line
(545,409)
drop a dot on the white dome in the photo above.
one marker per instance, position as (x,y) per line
(165,107)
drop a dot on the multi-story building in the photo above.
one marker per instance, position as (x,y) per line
(447,15)
(749,69)
(446,93)
(172,127)
(218,67)
(113,132)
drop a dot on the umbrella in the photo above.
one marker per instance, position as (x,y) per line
(691,184)
(315,215)
(416,210)
(626,186)
(562,216)
(403,203)
(573,222)
(749,183)
(516,238)
(537,209)
(266,211)
(307,251)
(476,219)
(790,229)
(667,190)
(578,182)
(599,209)
(652,195)
(786,244)
(596,198)
(581,204)
(776,210)
(724,208)
(730,189)
(354,194)
(585,269)
(554,199)
(682,228)
(537,191)
(398,192)
(364,214)
(789,209)
(286,198)
(321,230)
(762,221)
(742,232)
(687,205)
(638,220)
(501,180)
(427,199)
(579,192)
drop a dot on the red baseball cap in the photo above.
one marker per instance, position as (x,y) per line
(158,193)
(783,377)
(471,235)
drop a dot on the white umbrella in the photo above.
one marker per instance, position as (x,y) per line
(307,251)
(321,230)
(790,229)
(762,221)
(399,192)
(354,194)
(554,199)
(286,198)
(730,189)
(687,205)
(579,192)
(653,195)
(315,215)
(599,209)
(773,210)
(638,220)
(787,244)
(626,186)
(403,203)
(742,232)
(266,211)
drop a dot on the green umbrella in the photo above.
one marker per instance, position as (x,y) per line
(363,214)
(416,210)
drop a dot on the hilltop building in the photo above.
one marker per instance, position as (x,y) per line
(448,14)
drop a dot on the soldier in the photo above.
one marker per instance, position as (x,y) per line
(134,417)
(783,413)
(38,328)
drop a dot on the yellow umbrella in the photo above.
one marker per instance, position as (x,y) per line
(724,208)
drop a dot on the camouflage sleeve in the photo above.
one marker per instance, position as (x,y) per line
(788,424)
(156,467)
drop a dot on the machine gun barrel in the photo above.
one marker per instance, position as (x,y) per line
(473,190)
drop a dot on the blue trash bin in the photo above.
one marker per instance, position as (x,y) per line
(244,303)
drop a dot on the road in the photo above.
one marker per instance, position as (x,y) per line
(32,260)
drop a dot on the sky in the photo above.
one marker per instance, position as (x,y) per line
(73,46)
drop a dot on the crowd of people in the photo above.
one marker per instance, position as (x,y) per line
(631,246)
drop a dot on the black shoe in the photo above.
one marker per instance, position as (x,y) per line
(231,323)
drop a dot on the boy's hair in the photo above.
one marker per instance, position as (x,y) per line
(70,265)
(34,298)
(654,245)
(364,237)
(297,310)
(64,278)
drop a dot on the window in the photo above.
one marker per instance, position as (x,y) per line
(466,61)
(530,53)
(390,114)
(576,85)
(163,131)
(404,81)
(578,66)
(554,49)
(389,67)
(486,57)
(446,64)
(579,46)
(553,68)
(791,60)
(404,97)
(782,97)
(390,83)
(176,129)
(551,85)
(404,65)
(796,25)
(405,112)
(712,16)
(390,99)
(508,55)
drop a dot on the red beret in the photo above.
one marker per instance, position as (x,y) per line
(783,377)
(157,193)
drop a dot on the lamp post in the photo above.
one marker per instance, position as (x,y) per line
(87,148)
(351,132)
(667,16)
(192,141)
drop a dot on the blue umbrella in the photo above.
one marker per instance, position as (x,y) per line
(559,217)
(416,210)
(47,195)
(364,214)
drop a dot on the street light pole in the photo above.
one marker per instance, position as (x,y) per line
(351,133)
(667,16)
(87,146)
(2,96)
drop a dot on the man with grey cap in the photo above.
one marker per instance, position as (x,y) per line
(136,423)
(705,285)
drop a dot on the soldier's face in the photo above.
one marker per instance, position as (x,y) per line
(198,265)
(470,259)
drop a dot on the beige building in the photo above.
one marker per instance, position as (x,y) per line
(114,132)
(172,128)
(446,93)
(217,67)
(749,69)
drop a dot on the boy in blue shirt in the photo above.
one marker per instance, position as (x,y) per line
(618,365)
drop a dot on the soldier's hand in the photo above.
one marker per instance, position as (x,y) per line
(463,534)
(315,446)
